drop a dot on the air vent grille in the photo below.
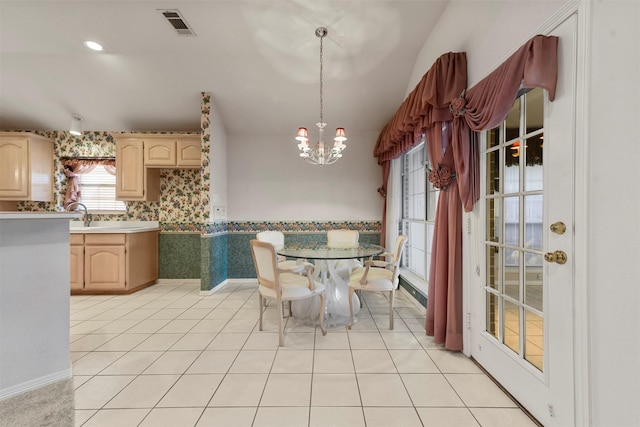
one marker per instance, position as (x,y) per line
(178,23)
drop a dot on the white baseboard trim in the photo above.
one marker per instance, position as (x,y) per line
(35,383)
(177,281)
(226,282)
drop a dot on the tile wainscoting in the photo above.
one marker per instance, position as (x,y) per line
(221,251)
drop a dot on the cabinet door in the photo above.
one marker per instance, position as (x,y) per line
(188,152)
(14,168)
(129,170)
(77,267)
(104,267)
(159,152)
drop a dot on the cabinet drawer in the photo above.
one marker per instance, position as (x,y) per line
(104,239)
(76,239)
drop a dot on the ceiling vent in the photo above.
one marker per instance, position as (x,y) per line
(177,22)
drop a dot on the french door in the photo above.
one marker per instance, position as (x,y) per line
(524,300)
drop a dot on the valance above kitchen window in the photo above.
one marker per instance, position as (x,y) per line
(74,166)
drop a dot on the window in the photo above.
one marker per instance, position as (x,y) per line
(419,200)
(98,191)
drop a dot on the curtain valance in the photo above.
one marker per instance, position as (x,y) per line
(427,104)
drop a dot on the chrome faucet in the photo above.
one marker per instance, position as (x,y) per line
(87,215)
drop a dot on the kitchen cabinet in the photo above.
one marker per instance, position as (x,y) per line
(133,180)
(113,263)
(166,151)
(77,261)
(139,158)
(26,167)
(104,262)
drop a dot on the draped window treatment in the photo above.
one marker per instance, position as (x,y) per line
(448,116)
(73,168)
(426,105)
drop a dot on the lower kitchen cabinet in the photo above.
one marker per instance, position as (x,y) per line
(113,262)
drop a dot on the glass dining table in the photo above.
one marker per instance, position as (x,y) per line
(332,268)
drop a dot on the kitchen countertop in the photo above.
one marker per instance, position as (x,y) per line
(114,227)
(39,215)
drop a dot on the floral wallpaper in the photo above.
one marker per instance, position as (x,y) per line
(179,188)
(205,131)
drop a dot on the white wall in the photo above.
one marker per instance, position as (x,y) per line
(269,181)
(612,275)
(218,159)
(488,31)
(609,277)
(34,300)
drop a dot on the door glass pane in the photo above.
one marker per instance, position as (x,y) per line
(534,110)
(512,274)
(493,316)
(494,223)
(512,123)
(533,169)
(494,264)
(511,179)
(511,221)
(493,137)
(534,340)
(533,222)
(493,172)
(512,326)
(533,290)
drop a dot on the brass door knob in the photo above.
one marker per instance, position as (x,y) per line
(559,257)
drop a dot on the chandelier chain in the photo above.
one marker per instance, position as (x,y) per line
(321,74)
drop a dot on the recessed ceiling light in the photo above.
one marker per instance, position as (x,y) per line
(93,45)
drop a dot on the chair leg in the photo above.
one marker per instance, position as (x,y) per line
(350,308)
(280,329)
(290,311)
(391,295)
(321,315)
(261,307)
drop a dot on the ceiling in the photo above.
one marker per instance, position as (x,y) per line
(259,59)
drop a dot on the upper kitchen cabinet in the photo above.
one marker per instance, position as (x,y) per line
(133,180)
(172,151)
(26,167)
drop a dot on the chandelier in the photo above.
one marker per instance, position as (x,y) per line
(322,153)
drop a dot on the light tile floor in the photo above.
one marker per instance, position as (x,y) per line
(166,356)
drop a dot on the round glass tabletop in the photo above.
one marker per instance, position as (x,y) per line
(322,251)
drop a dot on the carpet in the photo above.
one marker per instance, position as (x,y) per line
(48,406)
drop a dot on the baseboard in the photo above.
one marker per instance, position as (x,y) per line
(215,289)
(35,383)
(177,281)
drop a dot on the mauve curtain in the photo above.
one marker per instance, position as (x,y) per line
(482,107)
(75,167)
(426,105)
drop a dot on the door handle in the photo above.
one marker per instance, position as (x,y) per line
(559,257)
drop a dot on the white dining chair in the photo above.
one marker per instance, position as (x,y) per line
(381,275)
(276,238)
(343,238)
(282,285)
